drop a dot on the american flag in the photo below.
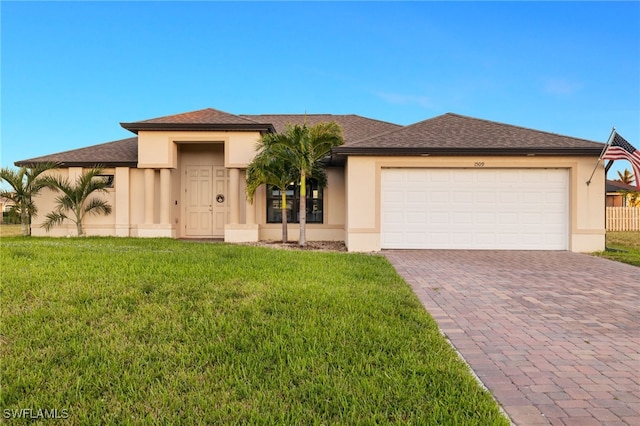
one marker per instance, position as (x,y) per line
(620,149)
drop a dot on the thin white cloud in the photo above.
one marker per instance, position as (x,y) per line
(403,99)
(561,87)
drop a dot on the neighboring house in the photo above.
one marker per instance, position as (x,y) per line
(616,195)
(450,182)
(5,204)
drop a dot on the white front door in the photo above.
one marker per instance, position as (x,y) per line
(206,206)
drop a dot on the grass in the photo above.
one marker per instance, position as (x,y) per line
(623,247)
(147,331)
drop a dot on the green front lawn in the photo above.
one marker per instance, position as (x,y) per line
(165,331)
(623,247)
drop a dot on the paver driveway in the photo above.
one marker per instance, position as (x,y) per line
(555,336)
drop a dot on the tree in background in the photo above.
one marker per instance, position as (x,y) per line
(626,177)
(76,202)
(26,183)
(631,198)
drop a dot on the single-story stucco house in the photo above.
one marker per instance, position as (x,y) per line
(449,182)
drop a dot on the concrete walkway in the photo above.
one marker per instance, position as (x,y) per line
(555,336)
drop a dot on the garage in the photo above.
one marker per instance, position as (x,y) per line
(475,208)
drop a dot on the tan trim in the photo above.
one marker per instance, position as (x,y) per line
(590,232)
(363,230)
(296,226)
(155,166)
(199,139)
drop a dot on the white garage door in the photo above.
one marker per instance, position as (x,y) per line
(526,209)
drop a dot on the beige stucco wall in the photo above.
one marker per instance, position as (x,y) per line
(160,149)
(92,224)
(586,205)
(126,199)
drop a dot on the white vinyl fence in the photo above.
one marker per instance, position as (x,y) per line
(623,218)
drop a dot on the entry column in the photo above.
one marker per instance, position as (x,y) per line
(235,231)
(149,196)
(165,195)
(234,202)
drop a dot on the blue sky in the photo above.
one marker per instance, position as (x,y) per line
(72,71)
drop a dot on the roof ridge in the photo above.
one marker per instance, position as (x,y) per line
(318,114)
(397,130)
(512,125)
(209,109)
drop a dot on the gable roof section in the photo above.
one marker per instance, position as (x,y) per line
(204,119)
(121,153)
(453,134)
(354,127)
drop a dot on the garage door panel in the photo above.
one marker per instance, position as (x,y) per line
(417,218)
(484,218)
(532,219)
(438,197)
(554,219)
(393,218)
(438,218)
(392,197)
(460,219)
(475,208)
(462,197)
(487,239)
(415,197)
(485,197)
(508,218)
(417,238)
(533,198)
(439,239)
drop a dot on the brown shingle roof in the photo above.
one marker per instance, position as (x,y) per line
(121,153)
(457,134)
(204,119)
(448,134)
(354,127)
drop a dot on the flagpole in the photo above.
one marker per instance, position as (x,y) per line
(613,132)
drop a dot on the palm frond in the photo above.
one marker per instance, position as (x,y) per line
(97,206)
(54,218)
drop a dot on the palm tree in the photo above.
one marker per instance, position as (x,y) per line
(26,183)
(304,148)
(265,169)
(626,177)
(75,199)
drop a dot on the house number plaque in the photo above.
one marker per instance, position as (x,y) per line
(220,198)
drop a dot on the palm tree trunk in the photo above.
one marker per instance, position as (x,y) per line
(283,209)
(24,222)
(79,217)
(303,212)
